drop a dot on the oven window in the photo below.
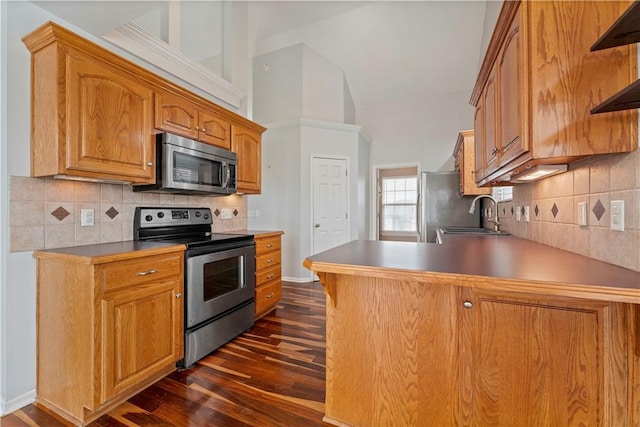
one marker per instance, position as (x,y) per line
(221,277)
(195,170)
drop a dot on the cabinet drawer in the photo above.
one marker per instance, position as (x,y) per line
(129,273)
(267,260)
(267,245)
(267,275)
(268,295)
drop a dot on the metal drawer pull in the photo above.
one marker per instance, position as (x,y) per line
(270,276)
(271,295)
(144,273)
(467,304)
(269,245)
(178,296)
(269,261)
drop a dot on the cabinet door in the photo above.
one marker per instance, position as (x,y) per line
(539,362)
(247,145)
(109,121)
(509,62)
(176,115)
(490,129)
(214,130)
(478,127)
(142,334)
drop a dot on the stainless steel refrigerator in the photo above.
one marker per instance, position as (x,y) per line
(441,204)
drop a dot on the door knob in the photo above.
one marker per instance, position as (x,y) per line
(316,225)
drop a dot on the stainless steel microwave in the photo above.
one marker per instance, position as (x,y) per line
(185,166)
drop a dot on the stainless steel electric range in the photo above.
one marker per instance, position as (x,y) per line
(219,275)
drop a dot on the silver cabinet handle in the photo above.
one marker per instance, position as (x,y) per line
(197,127)
(316,225)
(270,276)
(269,261)
(149,163)
(467,304)
(145,273)
(269,245)
(203,130)
(178,296)
(271,295)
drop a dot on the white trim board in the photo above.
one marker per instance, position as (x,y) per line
(17,402)
(138,41)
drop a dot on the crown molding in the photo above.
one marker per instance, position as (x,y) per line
(141,43)
(319,124)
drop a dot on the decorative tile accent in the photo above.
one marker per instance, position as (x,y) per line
(216,212)
(60,213)
(536,210)
(235,212)
(599,209)
(554,210)
(522,210)
(112,212)
(504,210)
(511,210)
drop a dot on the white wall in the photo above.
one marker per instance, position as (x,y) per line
(285,202)
(349,106)
(492,10)
(322,88)
(277,85)
(427,134)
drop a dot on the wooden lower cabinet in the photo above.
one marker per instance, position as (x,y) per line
(268,271)
(407,352)
(106,328)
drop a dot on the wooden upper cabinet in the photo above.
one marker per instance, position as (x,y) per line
(464,153)
(478,127)
(89,117)
(511,143)
(545,80)
(490,127)
(95,114)
(247,144)
(178,115)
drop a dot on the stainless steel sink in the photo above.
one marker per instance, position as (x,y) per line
(471,230)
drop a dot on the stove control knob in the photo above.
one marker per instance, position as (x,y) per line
(206,216)
(148,217)
(160,214)
(198,214)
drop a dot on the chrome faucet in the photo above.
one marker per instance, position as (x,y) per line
(494,220)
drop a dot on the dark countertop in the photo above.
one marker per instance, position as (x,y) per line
(106,252)
(507,261)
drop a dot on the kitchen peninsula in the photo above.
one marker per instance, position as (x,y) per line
(481,330)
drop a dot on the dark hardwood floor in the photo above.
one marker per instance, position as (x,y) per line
(272,375)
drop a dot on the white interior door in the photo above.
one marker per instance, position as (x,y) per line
(330,203)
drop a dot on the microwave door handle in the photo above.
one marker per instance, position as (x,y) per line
(227,175)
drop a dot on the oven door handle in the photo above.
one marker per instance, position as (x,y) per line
(227,175)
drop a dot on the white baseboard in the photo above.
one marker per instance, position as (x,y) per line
(7,407)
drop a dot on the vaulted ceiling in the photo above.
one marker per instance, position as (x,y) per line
(389,50)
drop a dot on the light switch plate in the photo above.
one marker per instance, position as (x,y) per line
(87,218)
(617,215)
(582,214)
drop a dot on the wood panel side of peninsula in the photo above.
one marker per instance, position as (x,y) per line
(411,347)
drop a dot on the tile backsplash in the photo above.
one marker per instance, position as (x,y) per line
(553,209)
(44,213)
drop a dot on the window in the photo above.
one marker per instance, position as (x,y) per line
(399,204)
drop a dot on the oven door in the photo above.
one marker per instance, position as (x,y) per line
(216,282)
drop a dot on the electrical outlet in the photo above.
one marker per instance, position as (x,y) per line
(226,214)
(87,218)
(617,215)
(582,214)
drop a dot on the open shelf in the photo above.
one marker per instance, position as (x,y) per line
(627,99)
(625,30)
